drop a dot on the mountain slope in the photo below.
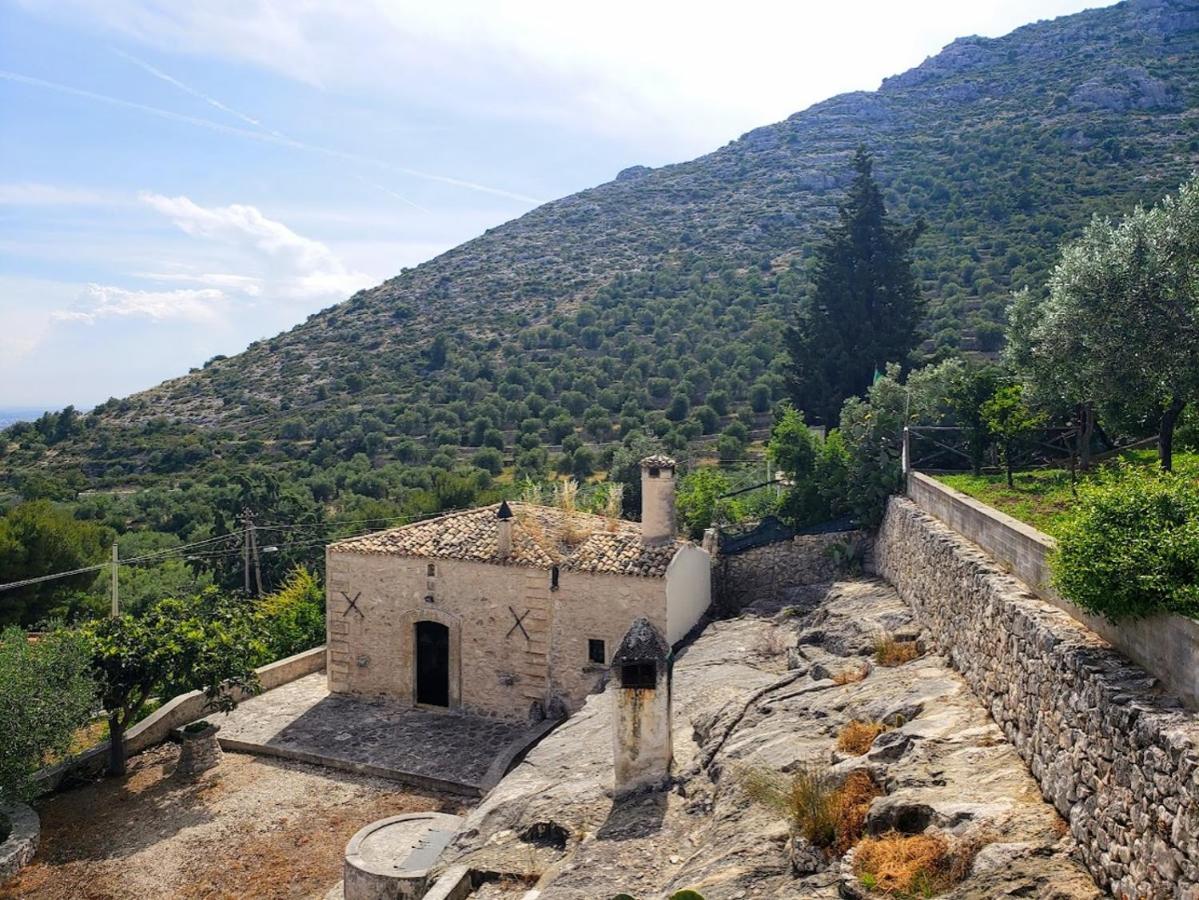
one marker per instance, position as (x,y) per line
(684,274)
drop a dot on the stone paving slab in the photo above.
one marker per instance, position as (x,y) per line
(440,751)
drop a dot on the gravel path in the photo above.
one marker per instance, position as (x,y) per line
(252,827)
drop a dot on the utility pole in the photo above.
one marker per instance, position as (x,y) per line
(116,602)
(257,561)
(246,519)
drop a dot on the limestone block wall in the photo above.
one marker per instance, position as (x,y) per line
(495,667)
(1116,755)
(599,607)
(767,572)
(1165,645)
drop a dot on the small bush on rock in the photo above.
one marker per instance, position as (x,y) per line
(857,736)
(1132,547)
(827,812)
(890,651)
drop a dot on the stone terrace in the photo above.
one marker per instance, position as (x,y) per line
(432,750)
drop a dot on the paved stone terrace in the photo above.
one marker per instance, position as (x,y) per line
(302,720)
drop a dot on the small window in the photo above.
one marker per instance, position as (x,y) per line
(638,675)
(654,472)
(432,570)
(595,651)
(554,578)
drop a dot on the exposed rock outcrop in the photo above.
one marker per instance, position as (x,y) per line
(766,691)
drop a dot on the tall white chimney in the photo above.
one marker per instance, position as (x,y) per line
(503,536)
(657,499)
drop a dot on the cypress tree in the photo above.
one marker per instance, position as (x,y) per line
(864,307)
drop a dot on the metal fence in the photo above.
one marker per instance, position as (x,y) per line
(943,448)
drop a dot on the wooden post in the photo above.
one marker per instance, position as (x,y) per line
(116,601)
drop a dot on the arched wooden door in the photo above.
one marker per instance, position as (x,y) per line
(432,664)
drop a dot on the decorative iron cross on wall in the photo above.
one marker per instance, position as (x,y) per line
(352,604)
(518,624)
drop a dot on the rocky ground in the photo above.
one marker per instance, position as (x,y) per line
(251,827)
(772,691)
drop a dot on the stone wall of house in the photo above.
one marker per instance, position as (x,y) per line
(496,667)
(1116,755)
(596,607)
(770,572)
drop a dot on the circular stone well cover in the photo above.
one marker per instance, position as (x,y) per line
(390,858)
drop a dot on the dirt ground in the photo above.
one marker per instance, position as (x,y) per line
(253,827)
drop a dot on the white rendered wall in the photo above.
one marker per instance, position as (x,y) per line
(688,590)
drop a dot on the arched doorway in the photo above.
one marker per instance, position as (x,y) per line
(432,664)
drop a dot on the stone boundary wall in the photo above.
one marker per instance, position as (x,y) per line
(175,713)
(21,844)
(1165,645)
(767,572)
(1116,756)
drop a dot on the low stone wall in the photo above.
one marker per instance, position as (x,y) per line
(177,712)
(1116,755)
(1164,645)
(766,573)
(21,844)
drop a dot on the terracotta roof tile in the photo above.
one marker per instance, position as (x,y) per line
(542,537)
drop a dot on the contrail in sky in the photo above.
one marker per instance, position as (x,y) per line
(257,135)
(389,192)
(187,89)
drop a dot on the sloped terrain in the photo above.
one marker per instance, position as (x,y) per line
(1006,146)
(762,692)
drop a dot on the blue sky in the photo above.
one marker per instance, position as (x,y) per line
(178,179)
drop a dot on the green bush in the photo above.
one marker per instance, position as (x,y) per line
(1132,547)
(46,694)
(293,620)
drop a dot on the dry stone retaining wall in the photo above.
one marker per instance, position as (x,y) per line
(766,573)
(1117,756)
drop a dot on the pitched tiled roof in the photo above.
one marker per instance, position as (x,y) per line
(542,537)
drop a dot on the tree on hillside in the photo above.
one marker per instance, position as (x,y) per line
(39,538)
(864,306)
(205,643)
(46,694)
(1122,317)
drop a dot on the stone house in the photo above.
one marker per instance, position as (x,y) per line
(512,610)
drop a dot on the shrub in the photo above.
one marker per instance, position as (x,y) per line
(46,694)
(903,864)
(1132,547)
(293,620)
(851,676)
(857,736)
(889,651)
(826,812)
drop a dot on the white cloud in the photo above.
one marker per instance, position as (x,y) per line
(102,301)
(286,265)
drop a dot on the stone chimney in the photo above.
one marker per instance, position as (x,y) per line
(657,499)
(641,735)
(503,536)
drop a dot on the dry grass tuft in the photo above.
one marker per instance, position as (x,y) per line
(888,651)
(854,797)
(903,864)
(828,814)
(858,735)
(850,676)
(916,865)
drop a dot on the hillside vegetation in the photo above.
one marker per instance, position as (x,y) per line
(654,304)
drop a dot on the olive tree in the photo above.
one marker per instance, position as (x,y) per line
(46,694)
(1120,325)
